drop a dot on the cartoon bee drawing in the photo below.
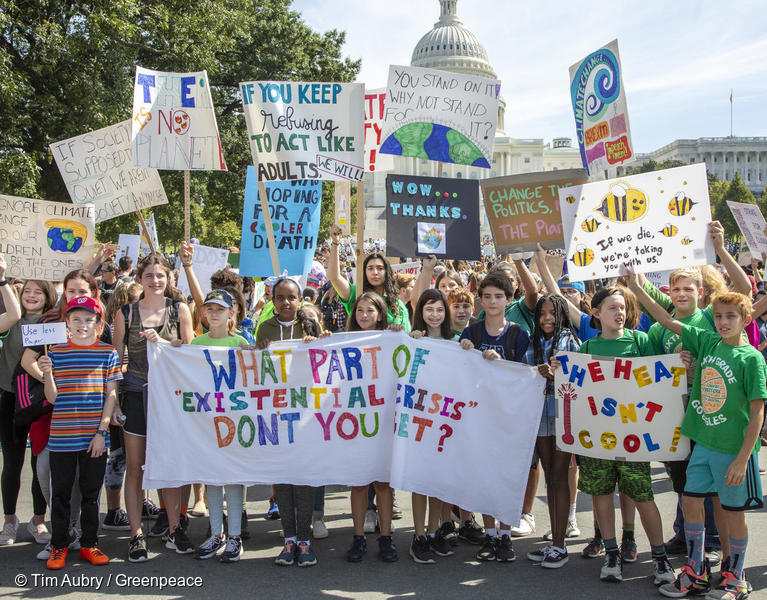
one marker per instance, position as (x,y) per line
(582,256)
(680,205)
(590,225)
(623,204)
(686,241)
(570,199)
(669,230)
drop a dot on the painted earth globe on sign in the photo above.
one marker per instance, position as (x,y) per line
(65,236)
(432,239)
(434,142)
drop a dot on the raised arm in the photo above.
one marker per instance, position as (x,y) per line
(423,281)
(655,309)
(738,277)
(551,285)
(12,308)
(340,283)
(528,284)
(186,254)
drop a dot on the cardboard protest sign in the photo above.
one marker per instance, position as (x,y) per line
(300,130)
(621,408)
(294,207)
(432,215)
(374,121)
(439,115)
(599,105)
(40,334)
(174,123)
(524,209)
(130,245)
(146,249)
(343,206)
(245,416)
(751,224)
(412,268)
(205,262)
(653,221)
(45,240)
(97,168)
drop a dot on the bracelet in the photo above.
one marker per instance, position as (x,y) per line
(186,265)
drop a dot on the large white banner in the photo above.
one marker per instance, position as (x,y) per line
(621,408)
(96,168)
(174,123)
(207,260)
(348,410)
(300,130)
(750,220)
(654,222)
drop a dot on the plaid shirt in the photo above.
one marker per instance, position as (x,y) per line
(567,342)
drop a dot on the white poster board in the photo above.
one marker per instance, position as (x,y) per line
(146,249)
(751,222)
(374,120)
(413,268)
(39,334)
(129,246)
(206,261)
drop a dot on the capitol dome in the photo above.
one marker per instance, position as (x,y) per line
(452,47)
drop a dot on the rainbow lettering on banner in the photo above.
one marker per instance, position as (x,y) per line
(621,408)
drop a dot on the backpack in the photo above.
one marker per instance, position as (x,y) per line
(30,403)
(510,347)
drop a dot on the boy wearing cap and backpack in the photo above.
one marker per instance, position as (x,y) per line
(80,381)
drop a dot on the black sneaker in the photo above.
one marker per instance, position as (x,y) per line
(387,551)
(179,542)
(555,558)
(210,547)
(183,522)
(116,520)
(594,548)
(244,533)
(675,546)
(440,546)
(449,533)
(150,510)
(487,551)
(233,550)
(471,532)
(358,549)
(160,528)
(137,550)
(504,551)
(420,551)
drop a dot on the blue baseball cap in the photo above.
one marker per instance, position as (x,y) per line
(220,297)
(578,285)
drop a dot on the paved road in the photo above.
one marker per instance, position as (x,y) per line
(255,576)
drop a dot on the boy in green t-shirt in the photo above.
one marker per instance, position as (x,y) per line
(723,418)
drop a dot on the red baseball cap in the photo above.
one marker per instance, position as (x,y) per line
(85,303)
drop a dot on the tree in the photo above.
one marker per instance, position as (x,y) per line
(67,68)
(736,192)
(653,165)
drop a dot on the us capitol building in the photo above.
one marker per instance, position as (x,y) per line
(452,47)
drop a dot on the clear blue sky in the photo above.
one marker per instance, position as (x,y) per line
(680,59)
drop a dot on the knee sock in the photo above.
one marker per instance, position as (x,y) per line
(737,556)
(628,531)
(695,535)
(571,516)
(611,545)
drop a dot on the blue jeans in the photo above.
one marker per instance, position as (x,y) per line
(711,536)
(319,503)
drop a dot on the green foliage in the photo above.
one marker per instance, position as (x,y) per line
(653,165)
(67,68)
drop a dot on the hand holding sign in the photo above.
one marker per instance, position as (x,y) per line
(43,333)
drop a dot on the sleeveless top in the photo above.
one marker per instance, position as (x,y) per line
(138,366)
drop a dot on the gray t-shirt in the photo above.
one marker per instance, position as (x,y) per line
(10,353)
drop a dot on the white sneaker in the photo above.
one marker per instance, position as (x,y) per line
(572,530)
(371,521)
(526,526)
(39,532)
(45,553)
(319,530)
(9,532)
(199,509)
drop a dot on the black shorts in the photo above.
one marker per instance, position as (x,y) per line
(133,407)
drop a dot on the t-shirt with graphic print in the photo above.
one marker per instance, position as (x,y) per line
(666,341)
(728,378)
(498,342)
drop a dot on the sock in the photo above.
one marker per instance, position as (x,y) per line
(490,531)
(597,532)
(304,542)
(658,551)
(738,556)
(562,550)
(182,509)
(290,539)
(503,532)
(611,545)
(571,516)
(162,504)
(694,533)
(628,531)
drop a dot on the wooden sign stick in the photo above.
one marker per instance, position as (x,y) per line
(145,229)
(359,281)
(187,222)
(268,226)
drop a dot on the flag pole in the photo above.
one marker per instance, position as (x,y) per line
(730,112)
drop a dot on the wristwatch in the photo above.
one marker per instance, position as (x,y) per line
(103,433)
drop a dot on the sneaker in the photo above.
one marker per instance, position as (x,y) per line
(687,583)
(594,548)
(58,558)
(74,536)
(319,530)
(358,549)
(538,555)
(199,509)
(306,556)
(233,550)
(210,547)
(471,532)
(274,511)
(420,551)
(94,556)
(116,520)
(396,511)
(39,531)
(440,546)
(9,533)
(244,533)
(150,510)
(137,549)
(555,558)
(713,556)
(628,550)
(724,569)
(288,555)
(730,588)
(183,522)
(160,528)
(526,526)
(664,572)
(487,551)
(448,532)
(675,546)
(572,530)
(371,521)
(612,569)
(45,553)
(387,551)
(178,541)
(504,551)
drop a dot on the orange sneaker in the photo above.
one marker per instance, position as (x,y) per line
(57,559)
(94,556)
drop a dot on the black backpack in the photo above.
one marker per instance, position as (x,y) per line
(510,348)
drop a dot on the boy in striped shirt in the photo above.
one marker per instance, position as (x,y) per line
(80,381)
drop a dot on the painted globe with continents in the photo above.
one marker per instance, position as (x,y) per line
(434,142)
(65,236)
(432,239)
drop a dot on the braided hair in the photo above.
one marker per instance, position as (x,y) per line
(390,285)
(562,325)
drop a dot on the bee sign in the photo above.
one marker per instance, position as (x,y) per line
(653,221)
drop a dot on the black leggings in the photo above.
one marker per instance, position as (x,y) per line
(14,442)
